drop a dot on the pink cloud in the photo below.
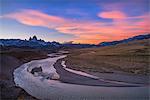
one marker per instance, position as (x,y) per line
(112,15)
(119,15)
(35,18)
(121,26)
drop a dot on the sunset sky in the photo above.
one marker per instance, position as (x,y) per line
(81,21)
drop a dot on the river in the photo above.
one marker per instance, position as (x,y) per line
(48,89)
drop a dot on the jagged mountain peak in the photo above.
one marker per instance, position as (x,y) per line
(34,38)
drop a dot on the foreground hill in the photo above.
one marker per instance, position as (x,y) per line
(131,57)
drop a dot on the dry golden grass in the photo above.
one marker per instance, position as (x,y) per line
(130,57)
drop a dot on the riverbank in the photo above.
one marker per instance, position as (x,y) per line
(10,59)
(73,77)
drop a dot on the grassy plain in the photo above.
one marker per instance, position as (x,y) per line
(132,57)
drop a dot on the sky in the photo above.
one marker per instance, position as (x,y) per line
(81,21)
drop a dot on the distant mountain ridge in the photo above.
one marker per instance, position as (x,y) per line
(38,43)
(139,37)
(33,42)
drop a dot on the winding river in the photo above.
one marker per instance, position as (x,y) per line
(49,89)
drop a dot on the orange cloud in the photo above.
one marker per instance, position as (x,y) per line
(121,26)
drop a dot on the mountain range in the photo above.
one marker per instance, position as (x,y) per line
(139,37)
(33,42)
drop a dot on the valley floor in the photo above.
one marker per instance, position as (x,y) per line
(120,72)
